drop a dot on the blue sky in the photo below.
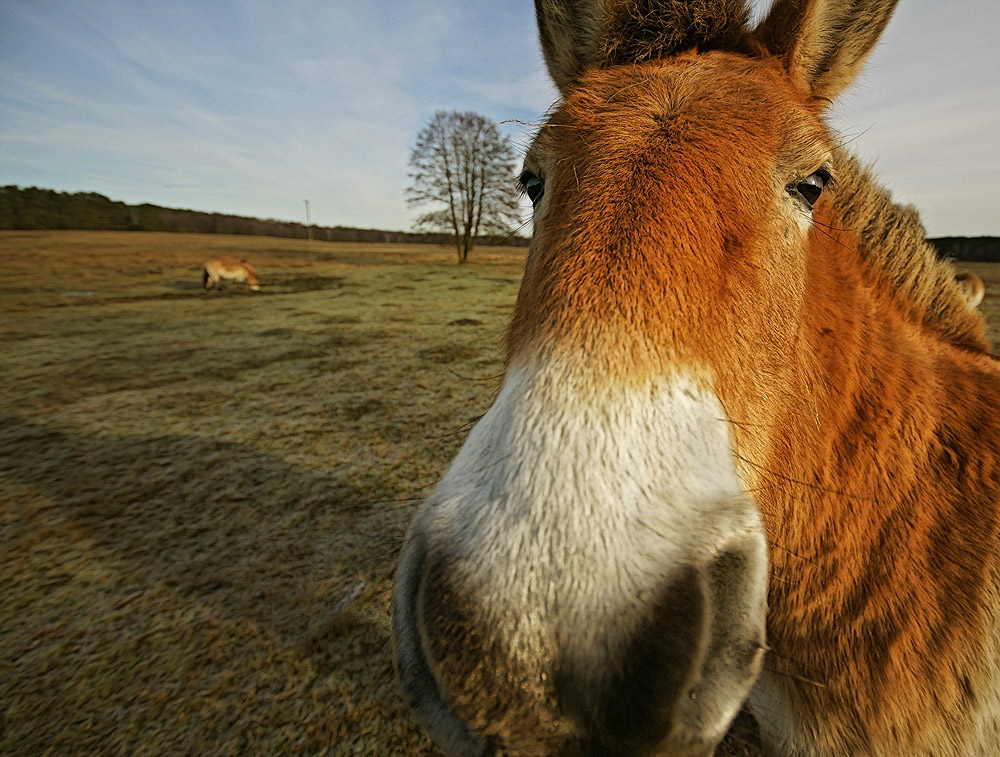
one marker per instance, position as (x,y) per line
(251,107)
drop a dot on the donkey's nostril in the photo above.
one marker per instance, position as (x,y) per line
(685,672)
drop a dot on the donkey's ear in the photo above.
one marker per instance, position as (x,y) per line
(571,33)
(824,42)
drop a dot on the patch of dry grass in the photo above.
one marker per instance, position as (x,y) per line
(202,495)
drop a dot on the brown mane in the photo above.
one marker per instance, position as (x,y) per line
(892,239)
(640,30)
(646,30)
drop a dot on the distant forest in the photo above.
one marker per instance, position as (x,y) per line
(971,249)
(45,209)
(35,209)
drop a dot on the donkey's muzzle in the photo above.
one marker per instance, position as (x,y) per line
(667,679)
(683,672)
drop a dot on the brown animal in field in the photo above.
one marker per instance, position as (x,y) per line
(216,272)
(747,450)
(975,289)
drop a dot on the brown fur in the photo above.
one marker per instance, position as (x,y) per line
(859,384)
(892,240)
(215,272)
(972,286)
(882,505)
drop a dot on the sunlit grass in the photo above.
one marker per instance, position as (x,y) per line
(202,495)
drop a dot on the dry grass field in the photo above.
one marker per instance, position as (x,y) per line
(202,495)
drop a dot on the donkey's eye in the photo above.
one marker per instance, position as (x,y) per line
(533,186)
(810,188)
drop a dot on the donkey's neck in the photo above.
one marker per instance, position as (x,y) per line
(876,517)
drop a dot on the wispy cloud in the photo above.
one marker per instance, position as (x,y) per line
(249,107)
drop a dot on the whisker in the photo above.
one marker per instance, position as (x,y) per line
(464,427)
(503,242)
(803,484)
(844,142)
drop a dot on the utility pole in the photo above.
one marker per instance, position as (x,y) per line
(309,227)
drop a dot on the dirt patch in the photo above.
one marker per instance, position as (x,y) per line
(283,283)
(447,353)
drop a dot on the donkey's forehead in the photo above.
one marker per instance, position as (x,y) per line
(730,99)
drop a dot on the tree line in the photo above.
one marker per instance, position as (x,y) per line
(970,249)
(32,208)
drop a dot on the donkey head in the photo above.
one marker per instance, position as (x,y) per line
(591,574)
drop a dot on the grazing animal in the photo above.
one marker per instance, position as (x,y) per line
(975,289)
(218,271)
(747,449)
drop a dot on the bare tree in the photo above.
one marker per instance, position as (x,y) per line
(464,166)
